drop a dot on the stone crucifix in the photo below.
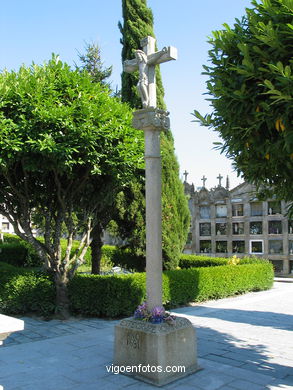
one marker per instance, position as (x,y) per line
(185,174)
(204,179)
(166,345)
(220,179)
(145,62)
(152,121)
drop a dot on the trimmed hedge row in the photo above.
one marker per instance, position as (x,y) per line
(23,291)
(124,258)
(189,261)
(113,296)
(106,296)
(17,252)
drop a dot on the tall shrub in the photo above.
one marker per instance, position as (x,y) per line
(137,24)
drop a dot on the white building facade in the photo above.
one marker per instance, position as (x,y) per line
(225,223)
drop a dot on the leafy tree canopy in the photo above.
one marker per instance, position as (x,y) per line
(66,149)
(251,82)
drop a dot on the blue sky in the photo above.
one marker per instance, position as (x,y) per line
(31,30)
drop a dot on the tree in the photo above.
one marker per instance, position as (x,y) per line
(137,24)
(91,62)
(250,81)
(66,149)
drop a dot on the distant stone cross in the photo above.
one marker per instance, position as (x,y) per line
(204,179)
(185,175)
(145,62)
(220,179)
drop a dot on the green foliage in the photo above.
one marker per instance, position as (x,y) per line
(106,296)
(119,295)
(250,81)
(137,24)
(129,220)
(190,261)
(200,284)
(18,252)
(17,255)
(66,149)
(92,63)
(175,211)
(24,292)
(124,258)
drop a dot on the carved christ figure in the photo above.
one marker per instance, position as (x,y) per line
(145,62)
(143,82)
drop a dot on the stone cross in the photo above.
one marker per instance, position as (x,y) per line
(140,341)
(152,121)
(145,62)
(204,179)
(220,179)
(185,175)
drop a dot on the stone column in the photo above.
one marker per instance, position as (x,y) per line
(152,121)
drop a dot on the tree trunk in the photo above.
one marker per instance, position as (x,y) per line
(62,299)
(96,247)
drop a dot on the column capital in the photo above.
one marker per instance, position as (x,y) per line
(151,119)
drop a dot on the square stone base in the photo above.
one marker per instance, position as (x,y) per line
(155,353)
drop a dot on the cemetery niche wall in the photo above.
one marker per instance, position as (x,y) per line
(228,222)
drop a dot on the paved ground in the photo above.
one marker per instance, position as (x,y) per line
(244,343)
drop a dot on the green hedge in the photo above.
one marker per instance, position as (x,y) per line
(200,284)
(106,296)
(23,291)
(124,258)
(17,252)
(189,261)
(119,295)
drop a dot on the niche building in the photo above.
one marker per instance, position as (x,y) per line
(228,222)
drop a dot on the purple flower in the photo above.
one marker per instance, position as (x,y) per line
(156,315)
(142,311)
(158,311)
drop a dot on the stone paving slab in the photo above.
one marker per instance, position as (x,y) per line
(245,342)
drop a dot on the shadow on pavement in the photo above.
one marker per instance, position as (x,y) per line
(257,318)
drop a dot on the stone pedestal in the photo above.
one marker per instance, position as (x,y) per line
(9,325)
(155,353)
